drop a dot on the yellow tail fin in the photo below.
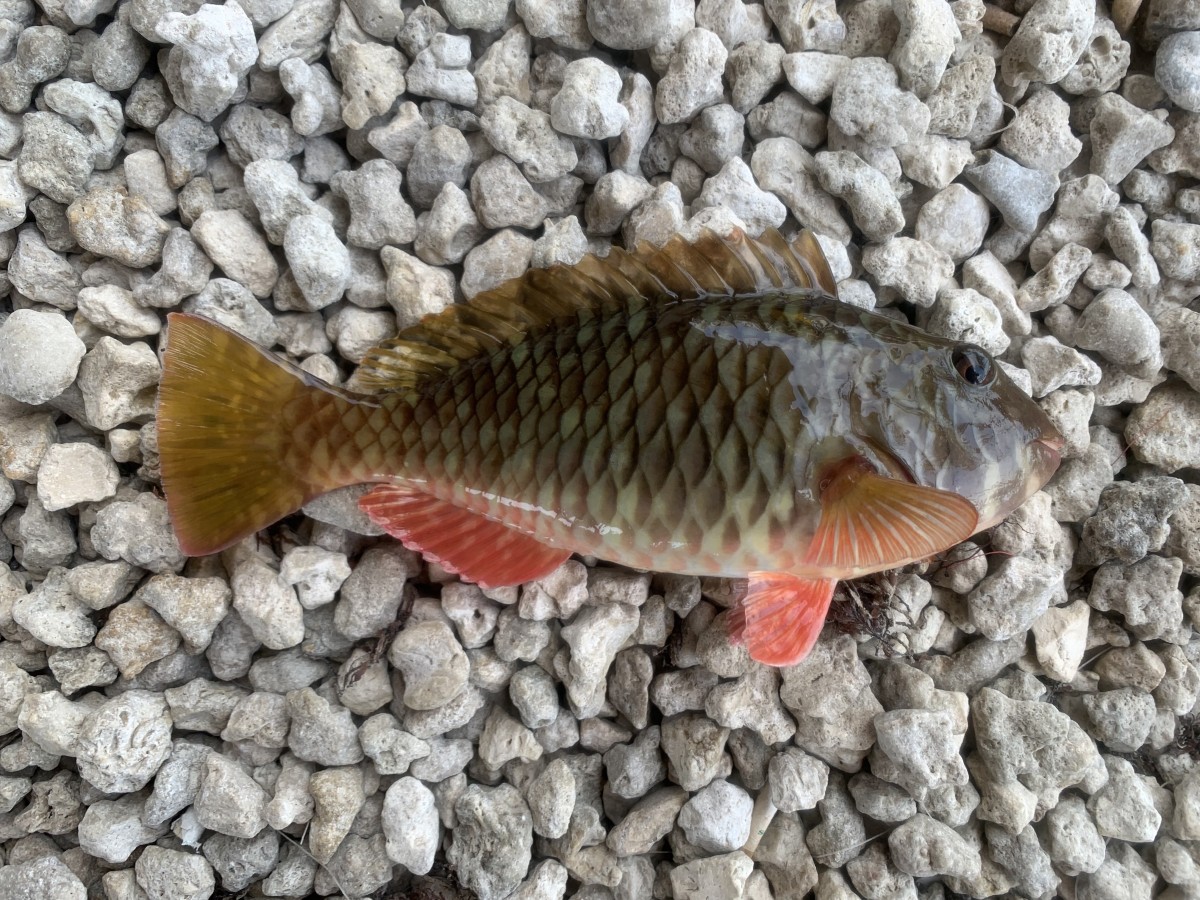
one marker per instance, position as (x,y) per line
(226,414)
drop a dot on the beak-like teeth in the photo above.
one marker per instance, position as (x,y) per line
(1055,442)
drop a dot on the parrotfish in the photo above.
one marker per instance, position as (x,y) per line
(705,408)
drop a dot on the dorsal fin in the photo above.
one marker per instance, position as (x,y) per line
(713,265)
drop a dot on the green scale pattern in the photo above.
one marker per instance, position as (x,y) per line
(635,435)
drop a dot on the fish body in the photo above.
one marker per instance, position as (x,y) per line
(739,422)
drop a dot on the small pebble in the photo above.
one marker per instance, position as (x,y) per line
(1171,448)
(693,79)
(46,338)
(241,252)
(923,846)
(321,732)
(797,781)
(1050,38)
(713,876)
(1052,365)
(1122,136)
(717,817)
(124,741)
(491,846)
(111,830)
(734,189)
(588,103)
(1175,67)
(433,664)
(41,877)
(1008,601)
(410,822)
(526,137)
(916,270)
(165,874)
(864,189)
(212,49)
(694,747)
(1072,839)
(869,103)
(229,801)
(267,604)
(1020,193)
(1124,807)
(1121,719)
(551,799)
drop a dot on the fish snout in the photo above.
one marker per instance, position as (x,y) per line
(1053,441)
(1047,452)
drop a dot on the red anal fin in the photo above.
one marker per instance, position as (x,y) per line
(460,541)
(871,522)
(781,616)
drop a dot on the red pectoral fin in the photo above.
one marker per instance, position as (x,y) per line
(871,522)
(460,541)
(781,616)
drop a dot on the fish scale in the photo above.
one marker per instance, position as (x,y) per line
(656,463)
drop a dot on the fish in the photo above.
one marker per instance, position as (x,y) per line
(706,407)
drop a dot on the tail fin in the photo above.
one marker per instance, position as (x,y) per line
(226,420)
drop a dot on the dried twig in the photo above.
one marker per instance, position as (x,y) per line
(1000,20)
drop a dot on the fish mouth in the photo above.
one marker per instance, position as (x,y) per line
(1047,452)
(1043,457)
(1052,443)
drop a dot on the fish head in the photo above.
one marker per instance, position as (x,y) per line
(954,420)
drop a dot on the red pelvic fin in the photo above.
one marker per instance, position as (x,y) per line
(460,541)
(781,616)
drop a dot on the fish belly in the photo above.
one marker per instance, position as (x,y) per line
(637,437)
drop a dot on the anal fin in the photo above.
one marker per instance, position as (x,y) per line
(477,549)
(781,616)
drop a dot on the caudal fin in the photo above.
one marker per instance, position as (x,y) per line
(226,435)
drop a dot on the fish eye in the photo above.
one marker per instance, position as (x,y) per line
(973,365)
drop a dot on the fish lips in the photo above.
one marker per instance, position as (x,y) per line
(1044,458)
(1043,455)
(1047,454)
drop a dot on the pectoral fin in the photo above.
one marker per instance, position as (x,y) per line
(460,541)
(781,616)
(871,522)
